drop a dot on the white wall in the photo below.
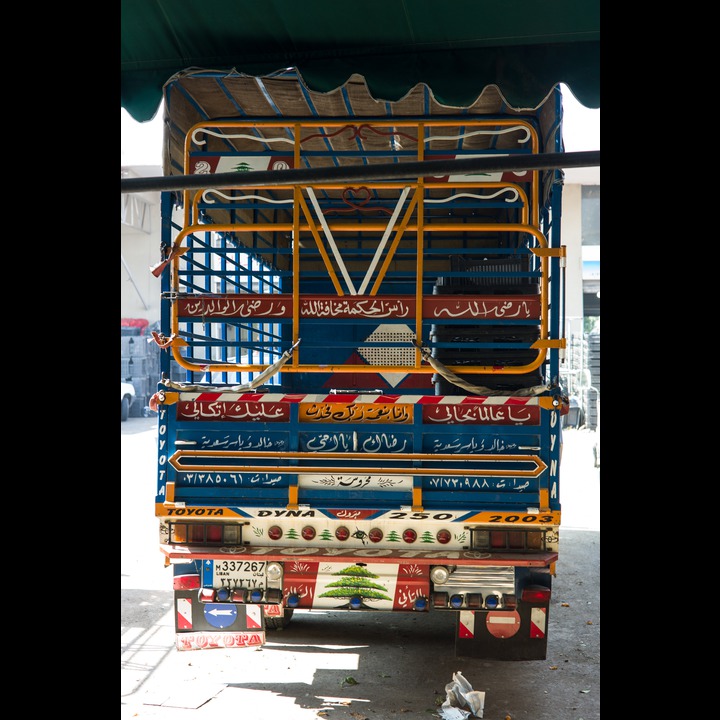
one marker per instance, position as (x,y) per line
(571,237)
(140,250)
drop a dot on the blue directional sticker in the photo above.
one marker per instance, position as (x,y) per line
(207,576)
(220,615)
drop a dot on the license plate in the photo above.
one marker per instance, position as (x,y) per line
(239,574)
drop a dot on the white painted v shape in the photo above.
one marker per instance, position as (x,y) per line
(378,251)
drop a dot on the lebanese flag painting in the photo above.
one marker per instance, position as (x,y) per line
(240,163)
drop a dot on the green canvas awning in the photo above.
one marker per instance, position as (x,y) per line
(455,47)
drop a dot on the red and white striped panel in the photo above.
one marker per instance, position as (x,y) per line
(538,622)
(184,614)
(206,397)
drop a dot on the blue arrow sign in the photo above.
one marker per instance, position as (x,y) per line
(220,615)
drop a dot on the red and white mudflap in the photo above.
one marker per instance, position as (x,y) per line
(519,634)
(201,626)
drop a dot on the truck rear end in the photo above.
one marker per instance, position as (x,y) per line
(360,406)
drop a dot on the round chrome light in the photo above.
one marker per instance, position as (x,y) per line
(274,571)
(439,574)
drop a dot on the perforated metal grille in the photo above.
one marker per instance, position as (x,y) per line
(400,335)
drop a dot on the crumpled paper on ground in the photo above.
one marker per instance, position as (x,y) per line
(462,701)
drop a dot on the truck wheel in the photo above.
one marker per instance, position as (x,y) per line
(124,409)
(278,623)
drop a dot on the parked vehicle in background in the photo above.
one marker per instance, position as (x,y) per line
(396,445)
(127,398)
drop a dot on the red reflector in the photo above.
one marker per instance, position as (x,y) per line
(342,533)
(186,582)
(275,532)
(375,535)
(308,532)
(535,593)
(409,536)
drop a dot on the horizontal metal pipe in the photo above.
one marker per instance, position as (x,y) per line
(384,171)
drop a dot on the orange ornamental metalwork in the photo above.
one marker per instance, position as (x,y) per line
(396,413)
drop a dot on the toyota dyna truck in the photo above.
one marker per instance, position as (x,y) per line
(359,407)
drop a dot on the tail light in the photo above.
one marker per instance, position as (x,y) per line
(185,577)
(194,533)
(535,594)
(488,540)
(214,533)
(509,601)
(440,599)
(186,582)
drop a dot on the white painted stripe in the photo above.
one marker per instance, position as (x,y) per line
(495,619)
(331,241)
(384,239)
(214,396)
